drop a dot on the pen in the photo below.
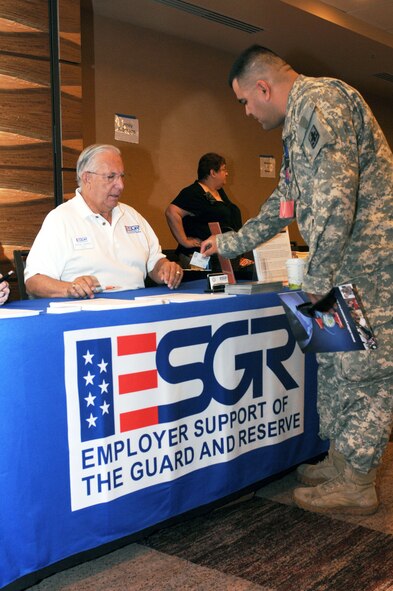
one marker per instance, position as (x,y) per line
(99,288)
(6,276)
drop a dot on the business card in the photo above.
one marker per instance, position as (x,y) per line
(198,260)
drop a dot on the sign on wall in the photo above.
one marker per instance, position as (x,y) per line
(126,128)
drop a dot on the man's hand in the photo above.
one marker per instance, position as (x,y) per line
(167,272)
(83,287)
(314,297)
(209,246)
(4,291)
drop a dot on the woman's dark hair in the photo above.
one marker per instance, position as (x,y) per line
(208,162)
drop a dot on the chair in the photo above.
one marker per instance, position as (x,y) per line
(20,263)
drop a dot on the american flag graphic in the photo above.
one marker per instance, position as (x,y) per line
(99,384)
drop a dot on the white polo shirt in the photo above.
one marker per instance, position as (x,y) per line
(73,241)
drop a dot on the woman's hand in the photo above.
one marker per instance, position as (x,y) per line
(191,242)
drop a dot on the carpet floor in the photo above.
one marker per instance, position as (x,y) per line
(259,543)
(283,547)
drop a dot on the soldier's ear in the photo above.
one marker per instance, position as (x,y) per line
(263,88)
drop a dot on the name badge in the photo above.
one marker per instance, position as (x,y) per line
(133,229)
(82,242)
(287,209)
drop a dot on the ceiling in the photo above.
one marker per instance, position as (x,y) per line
(349,39)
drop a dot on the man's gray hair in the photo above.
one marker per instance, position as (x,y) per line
(86,158)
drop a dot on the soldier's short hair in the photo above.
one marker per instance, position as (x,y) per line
(253,60)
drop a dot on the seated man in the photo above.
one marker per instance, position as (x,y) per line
(93,241)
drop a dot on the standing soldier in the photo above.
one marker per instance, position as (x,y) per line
(336,180)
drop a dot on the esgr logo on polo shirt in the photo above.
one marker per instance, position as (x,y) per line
(133,229)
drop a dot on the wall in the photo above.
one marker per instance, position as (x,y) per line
(179,92)
(40,91)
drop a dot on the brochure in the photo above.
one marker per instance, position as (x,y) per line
(335,323)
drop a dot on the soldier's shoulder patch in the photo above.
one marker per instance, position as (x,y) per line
(314,132)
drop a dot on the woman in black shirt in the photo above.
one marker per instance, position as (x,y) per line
(204,201)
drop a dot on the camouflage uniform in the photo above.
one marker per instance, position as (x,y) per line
(339,172)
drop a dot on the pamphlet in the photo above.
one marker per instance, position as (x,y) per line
(270,258)
(342,326)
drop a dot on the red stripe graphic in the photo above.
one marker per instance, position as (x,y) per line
(135,382)
(139,343)
(138,418)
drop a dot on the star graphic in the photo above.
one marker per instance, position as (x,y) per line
(88,357)
(105,408)
(90,399)
(104,387)
(89,378)
(102,366)
(92,421)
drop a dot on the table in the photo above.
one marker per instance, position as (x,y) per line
(115,421)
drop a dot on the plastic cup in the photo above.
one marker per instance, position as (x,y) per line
(295,272)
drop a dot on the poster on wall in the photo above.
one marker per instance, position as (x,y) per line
(126,128)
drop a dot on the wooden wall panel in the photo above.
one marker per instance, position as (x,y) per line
(33,44)
(27,112)
(71,86)
(69,183)
(26,153)
(30,13)
(26,143)
(25,72)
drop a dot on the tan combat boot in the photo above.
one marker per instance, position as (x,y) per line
(328,468)
(351,492)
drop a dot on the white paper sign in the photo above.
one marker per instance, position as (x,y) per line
(126,128)
(267,166)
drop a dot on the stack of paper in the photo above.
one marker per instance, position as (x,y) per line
(250,287)
(270,258)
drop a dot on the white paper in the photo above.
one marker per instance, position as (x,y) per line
(270,258)
(177,298)
(15,313)
(95,305)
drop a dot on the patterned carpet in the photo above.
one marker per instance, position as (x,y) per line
(266,542)
(260,543)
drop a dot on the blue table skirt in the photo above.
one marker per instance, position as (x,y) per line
(204,399)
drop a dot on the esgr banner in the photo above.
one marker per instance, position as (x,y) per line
(149,403)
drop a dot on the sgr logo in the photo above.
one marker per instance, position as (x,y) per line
(250,362)
(151,402)
(128,379)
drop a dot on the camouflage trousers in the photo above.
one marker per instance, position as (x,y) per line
(355,388)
